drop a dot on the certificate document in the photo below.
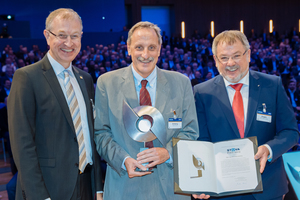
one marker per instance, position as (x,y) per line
(217,169)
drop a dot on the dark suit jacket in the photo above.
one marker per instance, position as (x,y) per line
(217,123)
(42,134)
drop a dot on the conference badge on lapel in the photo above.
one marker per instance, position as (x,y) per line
(263,115)
(175,123)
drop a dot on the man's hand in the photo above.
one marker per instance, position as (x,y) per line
(157,155)
(201,196)
(131,164)
(99,196)
(262,154)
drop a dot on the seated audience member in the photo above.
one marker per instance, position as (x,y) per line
(21,63)
(293,95)
(189,73)
(8,63)
(210,68)
(31,59)
(281,60)
(5,90)
(165,66)
(8,75)
(198,78)
(208,76)
(95,73)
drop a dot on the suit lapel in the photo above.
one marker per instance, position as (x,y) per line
(254,91)
(128,88)
(86,97)
(56,89)
(162,90)
(129,91)
(225,103)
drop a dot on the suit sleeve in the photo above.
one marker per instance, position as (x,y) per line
(190,128)
(202,121)
(106,146)
(21,119)
(97,167)
(287,134)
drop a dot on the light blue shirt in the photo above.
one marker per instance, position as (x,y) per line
(59,71)
(245,95)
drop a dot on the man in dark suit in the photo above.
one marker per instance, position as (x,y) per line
(95,73)
(51,120)
(272,64)
(226,113)
(261,61)
(293,94)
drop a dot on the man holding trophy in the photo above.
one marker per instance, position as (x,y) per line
(138,110)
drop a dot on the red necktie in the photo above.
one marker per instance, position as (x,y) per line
(145,100)
(238,108)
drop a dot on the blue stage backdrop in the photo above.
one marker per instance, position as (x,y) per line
(97,16)
(159,15)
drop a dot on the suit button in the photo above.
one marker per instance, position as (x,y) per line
(76,165)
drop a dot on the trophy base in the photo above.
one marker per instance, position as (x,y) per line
(148,170)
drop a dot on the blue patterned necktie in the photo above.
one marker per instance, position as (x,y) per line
(75,113)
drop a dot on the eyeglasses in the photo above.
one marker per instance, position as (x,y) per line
(235,58)
(64,37)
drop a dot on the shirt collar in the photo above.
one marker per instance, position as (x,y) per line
(57,67)
(244,81)
(151,78)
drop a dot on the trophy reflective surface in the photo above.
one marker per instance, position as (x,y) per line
(144,124)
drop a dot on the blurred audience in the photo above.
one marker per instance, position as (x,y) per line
(274,54)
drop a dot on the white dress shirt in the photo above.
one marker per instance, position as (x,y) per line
(245,95)
(59,71)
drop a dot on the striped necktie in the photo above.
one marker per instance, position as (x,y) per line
(75,113)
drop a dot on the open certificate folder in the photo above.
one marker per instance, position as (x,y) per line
(217,169)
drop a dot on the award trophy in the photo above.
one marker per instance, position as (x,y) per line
(144,124)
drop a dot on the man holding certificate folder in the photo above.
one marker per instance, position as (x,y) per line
(241,103)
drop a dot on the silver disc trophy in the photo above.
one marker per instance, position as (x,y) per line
(144,124)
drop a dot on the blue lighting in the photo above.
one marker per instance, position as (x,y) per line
(8,16)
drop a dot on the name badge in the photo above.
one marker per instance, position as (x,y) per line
(175,123)
(264,116)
